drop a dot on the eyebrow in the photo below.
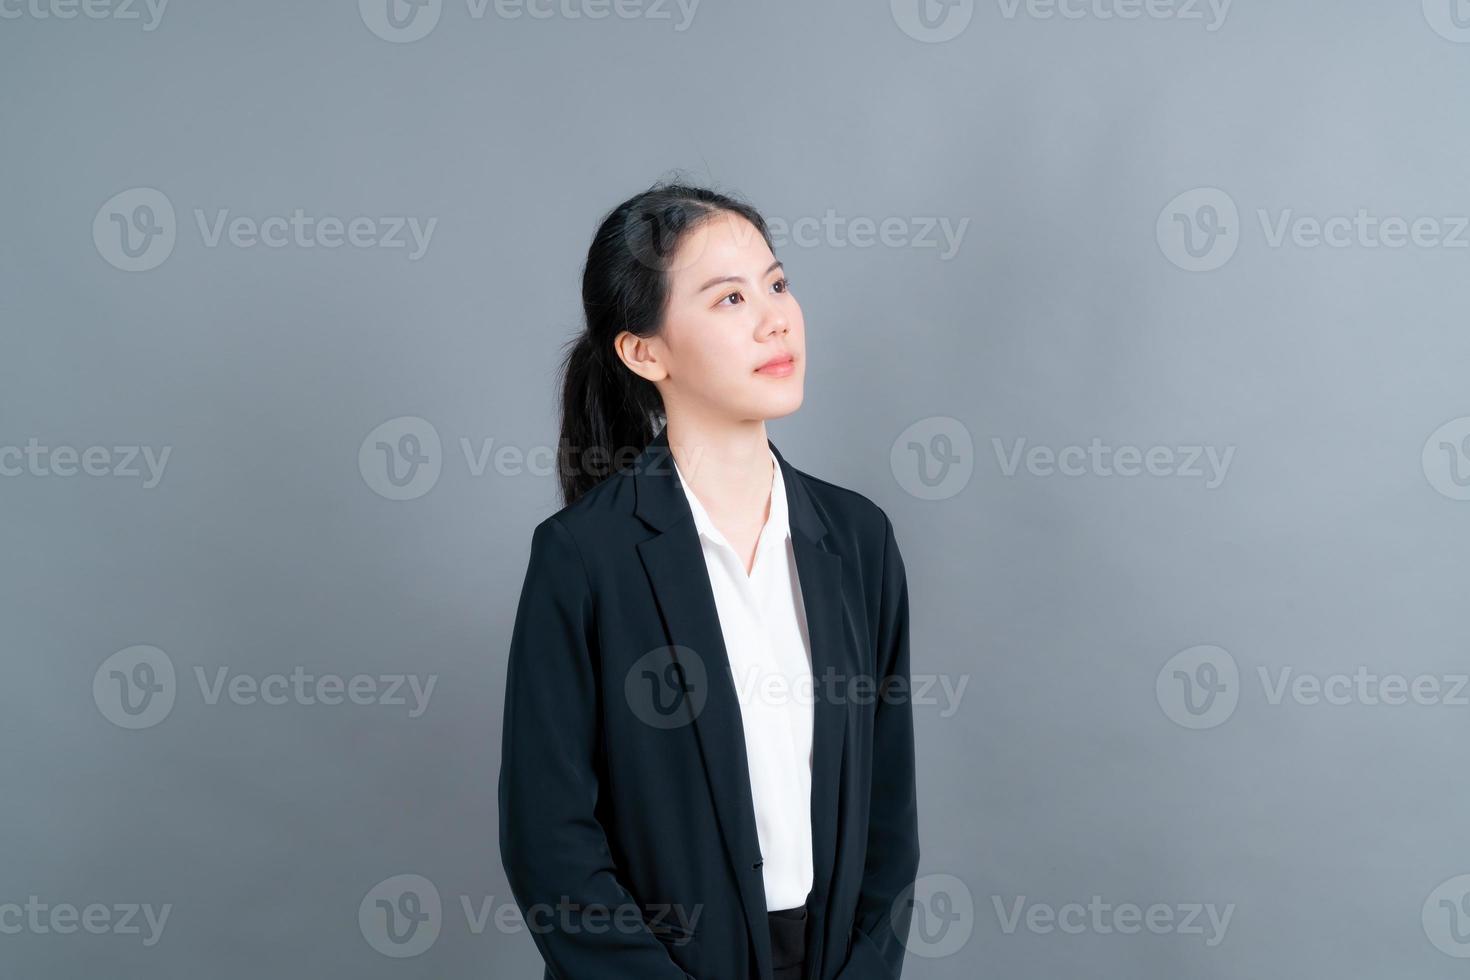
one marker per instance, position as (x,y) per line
(719,279)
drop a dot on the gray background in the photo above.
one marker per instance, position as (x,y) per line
(1335,833)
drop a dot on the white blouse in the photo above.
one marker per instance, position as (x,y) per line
(764,625)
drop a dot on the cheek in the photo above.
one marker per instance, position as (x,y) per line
(712,351)
(726,358)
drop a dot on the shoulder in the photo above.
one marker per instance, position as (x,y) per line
(846,512)
(609,500)
(599,520)
(860,531)
(603,519)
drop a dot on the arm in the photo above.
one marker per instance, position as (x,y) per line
(882,923)
(556,855)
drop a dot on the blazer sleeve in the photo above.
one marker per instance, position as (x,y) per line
(885,903)
(586,924)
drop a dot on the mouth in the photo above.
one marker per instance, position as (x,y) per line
(778,367)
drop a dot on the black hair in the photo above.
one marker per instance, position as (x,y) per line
(608,413)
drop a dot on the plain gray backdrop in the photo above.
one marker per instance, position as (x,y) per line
(1174,430)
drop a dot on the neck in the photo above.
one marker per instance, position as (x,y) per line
(728,466)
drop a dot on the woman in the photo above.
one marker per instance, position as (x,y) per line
(708,758)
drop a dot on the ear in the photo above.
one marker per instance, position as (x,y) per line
(642,355)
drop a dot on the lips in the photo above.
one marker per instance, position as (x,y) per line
(781,364)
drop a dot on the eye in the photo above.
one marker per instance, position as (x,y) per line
(727,296)
(784,282)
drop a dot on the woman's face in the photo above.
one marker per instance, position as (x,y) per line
(729,316)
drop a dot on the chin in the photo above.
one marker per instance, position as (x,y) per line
(777,407)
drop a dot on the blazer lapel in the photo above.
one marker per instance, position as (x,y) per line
(820,572)
(674,561)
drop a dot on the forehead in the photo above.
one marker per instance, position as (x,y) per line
(723,244)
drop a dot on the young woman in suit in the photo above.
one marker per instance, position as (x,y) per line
(708,755)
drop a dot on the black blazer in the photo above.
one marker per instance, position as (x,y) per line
(626,824)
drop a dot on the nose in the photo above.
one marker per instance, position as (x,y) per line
(775,320)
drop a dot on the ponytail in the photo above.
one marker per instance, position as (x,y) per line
(608,414)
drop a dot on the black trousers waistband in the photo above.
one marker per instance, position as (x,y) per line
(788,942)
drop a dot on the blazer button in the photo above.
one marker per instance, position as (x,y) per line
(758,865)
